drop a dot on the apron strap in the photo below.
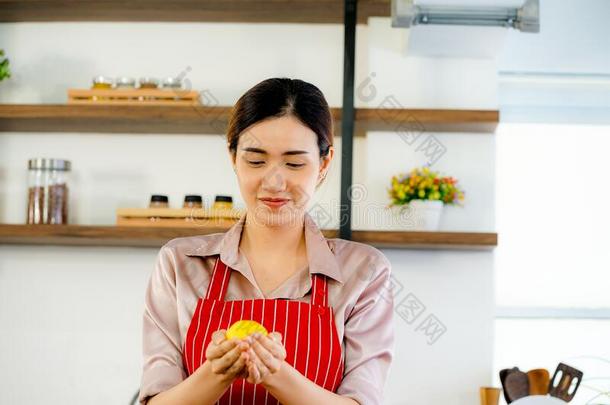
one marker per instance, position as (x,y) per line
(319,290)
(219,282)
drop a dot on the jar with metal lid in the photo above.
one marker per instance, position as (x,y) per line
(125,83)
(193,201)
(102,83)
(172,83)
(147,83)
(223,202)
(48,191)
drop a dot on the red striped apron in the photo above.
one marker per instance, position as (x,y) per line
(308,330)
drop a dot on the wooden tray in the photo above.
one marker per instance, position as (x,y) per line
(133,97)
(178,217)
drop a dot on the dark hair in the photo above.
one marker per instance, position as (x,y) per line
(278,97)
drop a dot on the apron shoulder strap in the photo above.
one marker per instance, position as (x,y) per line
(319,290)
(219,282)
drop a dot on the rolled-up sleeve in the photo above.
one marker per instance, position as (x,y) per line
(161,347)
(369,338)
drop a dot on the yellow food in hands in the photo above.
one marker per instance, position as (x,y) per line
(241,329)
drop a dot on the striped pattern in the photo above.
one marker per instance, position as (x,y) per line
(310,336)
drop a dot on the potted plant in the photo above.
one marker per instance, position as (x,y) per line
(4,70)
(417,198)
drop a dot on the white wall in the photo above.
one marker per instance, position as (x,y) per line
(71,316)
(573,39)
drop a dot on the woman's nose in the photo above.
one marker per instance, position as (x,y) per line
(274,179)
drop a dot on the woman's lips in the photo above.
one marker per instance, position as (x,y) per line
(274,202)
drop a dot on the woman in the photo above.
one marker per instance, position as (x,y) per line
(325,302)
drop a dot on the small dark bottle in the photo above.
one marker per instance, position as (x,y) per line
(223,202)
(193,201)
(158,201)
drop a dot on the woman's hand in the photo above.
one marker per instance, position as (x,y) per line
(227,358)
(265,356)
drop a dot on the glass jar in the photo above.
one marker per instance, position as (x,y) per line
(172,83)
(147,83)
(223,202)
(48,191)
(102,83)
(193,201)
(125,83)
(158,201)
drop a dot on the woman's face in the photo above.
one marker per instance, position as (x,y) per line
(278,166)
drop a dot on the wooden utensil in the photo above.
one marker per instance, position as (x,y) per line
(563,379)
(490,395)
(539,381)
(503,374)
(516,385)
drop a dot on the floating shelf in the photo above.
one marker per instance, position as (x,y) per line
(157,236)
(427,240)
(96,235)
(213,120)
(241,11)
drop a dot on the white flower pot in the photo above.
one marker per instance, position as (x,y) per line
(417,215)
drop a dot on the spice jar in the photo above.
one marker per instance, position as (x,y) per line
(147,83)
(158,201)
(125,83)
(172,83)
(192,201)
(223,202)
(48,191)
(102,83)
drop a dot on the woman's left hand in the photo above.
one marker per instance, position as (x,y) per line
(265,356)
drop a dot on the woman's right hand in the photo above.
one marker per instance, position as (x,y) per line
(227,357)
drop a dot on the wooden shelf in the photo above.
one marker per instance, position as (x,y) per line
(427,240)
(95,235)
(241,11)
(426,120)
(157,236)
(112,119)
(213,120)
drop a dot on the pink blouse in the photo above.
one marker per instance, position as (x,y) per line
(358,290)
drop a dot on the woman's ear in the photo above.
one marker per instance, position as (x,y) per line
(325,165)
(325,161)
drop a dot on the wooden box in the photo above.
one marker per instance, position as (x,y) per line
(163,97)
(178,217)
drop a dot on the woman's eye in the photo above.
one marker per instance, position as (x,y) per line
(256,162)
(296,164)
